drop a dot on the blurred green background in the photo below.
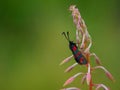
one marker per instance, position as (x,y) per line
(31,44)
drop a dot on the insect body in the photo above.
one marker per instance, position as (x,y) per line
(78,56)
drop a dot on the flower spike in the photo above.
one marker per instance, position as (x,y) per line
(71,67)
(81,53)
(98,62)
(71,88)
(83,79)
(66,60)
(88,76)
(108,74)
(71,79)
(98,86)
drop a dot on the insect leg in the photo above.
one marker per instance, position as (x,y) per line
(66,59)
(96,58)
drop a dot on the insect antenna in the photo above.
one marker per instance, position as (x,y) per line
(66,36)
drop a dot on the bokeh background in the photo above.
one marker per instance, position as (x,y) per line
(31,44)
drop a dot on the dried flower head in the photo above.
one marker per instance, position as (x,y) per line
(81,53)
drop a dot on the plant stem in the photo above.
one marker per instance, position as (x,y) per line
(90,86)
